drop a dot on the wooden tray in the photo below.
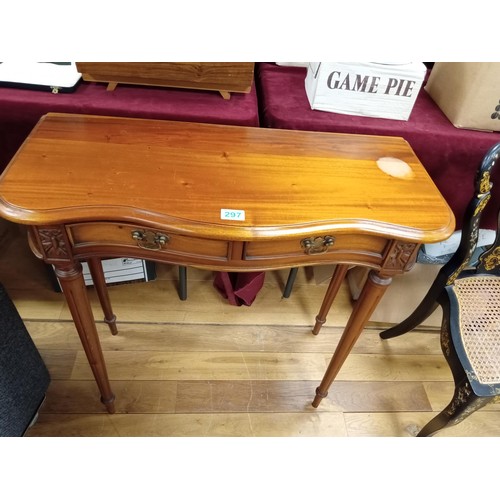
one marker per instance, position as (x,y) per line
(224,77)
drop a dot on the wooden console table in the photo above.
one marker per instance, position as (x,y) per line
(223,198)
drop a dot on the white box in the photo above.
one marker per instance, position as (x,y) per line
(56,77)
(380,90)
(485,238)
(121,270)
(118,270)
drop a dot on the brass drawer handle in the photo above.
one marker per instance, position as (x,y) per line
(318,245)
(150,240)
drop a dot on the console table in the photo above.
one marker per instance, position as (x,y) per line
(219,197)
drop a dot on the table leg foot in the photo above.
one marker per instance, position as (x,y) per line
(112,325)
(319,396)
(319,323)
(109,404)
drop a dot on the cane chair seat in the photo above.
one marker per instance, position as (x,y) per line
(475,330)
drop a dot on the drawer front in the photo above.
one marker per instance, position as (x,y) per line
(319,248)
(133,236)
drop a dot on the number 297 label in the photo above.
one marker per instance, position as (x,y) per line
(231,214)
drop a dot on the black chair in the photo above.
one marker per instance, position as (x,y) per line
(468,290)
(24,378)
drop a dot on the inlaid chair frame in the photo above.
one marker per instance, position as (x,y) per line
(468,291)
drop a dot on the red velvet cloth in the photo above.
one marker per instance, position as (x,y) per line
(20,109)
(239,288)
(450,155)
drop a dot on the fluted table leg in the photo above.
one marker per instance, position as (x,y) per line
(73,285)
(371,294)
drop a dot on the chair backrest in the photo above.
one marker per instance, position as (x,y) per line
(489,261)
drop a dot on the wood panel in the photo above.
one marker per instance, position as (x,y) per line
(222,76)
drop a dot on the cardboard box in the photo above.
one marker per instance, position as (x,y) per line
(380,90)
(467,93)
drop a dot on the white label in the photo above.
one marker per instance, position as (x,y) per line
(232,214)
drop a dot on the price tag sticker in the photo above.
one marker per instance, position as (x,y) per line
(232,214)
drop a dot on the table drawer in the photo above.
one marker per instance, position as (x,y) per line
(147,238)
(323,247)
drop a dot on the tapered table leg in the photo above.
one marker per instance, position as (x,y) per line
(73,286)
(331,293)
(371,294)
(97,273)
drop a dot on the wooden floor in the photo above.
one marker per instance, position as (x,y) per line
(205,368)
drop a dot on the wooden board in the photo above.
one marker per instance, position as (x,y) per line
(224,77)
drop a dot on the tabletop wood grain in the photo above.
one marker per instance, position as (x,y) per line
(80,167)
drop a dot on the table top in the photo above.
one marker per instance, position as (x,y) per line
(182,175)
